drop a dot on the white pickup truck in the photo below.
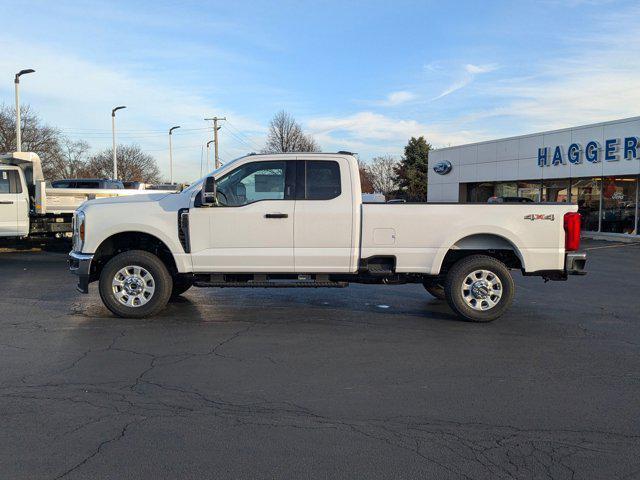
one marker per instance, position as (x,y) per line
(297,220)
(29,208)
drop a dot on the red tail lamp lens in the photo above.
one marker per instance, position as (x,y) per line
(572,231)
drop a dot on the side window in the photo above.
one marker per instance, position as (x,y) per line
(86,184)
(10,182)
(14,182)
(252,182)
(322,180)
(5,186)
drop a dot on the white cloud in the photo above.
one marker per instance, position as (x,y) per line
(397,98)
(476,69)
(469,75)
(77,95)
(598,82)
(372,133)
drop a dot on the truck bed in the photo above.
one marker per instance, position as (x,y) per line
(66,200)
(420,235)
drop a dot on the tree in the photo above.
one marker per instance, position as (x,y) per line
(70,159)
(36,137)
(382,174)
(411,172)
(366,185)
(133,165)
(286,135)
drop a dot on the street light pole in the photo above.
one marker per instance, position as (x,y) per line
(171,154)
(113,134)
(18,121)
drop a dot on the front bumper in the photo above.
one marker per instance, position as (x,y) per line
(574,263)
(80,265)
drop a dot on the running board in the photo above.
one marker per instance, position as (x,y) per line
(272,284)
(261,281)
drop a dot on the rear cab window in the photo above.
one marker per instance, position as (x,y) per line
(321,180)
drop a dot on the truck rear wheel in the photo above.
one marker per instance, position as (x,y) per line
(135,284)
(479,288)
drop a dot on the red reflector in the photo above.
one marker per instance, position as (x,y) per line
(572,231)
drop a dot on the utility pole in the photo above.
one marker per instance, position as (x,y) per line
(113,137)
(208,153)
(215,137)
(18,121)
(171,154)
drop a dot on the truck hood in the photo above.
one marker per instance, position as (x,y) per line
(133,198)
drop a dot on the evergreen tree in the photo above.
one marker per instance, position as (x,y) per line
(411,173)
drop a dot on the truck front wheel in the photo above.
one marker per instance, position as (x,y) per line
(479,288)
(135,284)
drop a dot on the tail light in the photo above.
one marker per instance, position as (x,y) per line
(572,231)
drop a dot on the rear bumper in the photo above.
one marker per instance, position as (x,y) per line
(80,265)
(574,263)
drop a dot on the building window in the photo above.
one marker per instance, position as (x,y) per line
(507,189)
(480,192)
(530,190)
(619,205)
(586,193)
(556,190)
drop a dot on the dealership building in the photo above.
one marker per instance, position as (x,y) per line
(595,166)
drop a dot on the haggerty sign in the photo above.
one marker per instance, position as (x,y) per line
(614,149)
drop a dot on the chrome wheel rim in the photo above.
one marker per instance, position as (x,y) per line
(481,290)
(133,286)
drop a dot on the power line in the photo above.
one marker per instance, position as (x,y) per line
(248,139)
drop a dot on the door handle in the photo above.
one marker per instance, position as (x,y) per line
(276,215)
(6,203)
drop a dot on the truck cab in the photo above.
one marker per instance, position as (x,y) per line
(298,220)
(14,202)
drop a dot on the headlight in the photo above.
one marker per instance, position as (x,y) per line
(78,231)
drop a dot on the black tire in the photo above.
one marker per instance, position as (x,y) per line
(435,290)
(149,264)
(180,285)
(492,301)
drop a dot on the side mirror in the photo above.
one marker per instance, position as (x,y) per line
(209,192)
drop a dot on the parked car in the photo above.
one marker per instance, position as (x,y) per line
(134,185)
(103,183)
(298,220)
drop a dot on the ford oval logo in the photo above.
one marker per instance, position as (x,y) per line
(442,168)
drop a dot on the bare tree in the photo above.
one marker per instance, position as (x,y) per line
(36,137)
(382,173)
(133,165)
(70,159)
(286,135)
(366,185)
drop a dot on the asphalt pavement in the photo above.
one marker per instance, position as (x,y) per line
(360,383)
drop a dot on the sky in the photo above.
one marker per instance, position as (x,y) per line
(358,76)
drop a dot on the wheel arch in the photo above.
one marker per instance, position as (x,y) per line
(131,240)
(499,245)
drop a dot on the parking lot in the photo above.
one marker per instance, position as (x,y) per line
(364,382)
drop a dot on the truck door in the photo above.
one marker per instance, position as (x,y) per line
(10,202)
(324,223)
(252,228)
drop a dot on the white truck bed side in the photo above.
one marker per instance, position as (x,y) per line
(419,236)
